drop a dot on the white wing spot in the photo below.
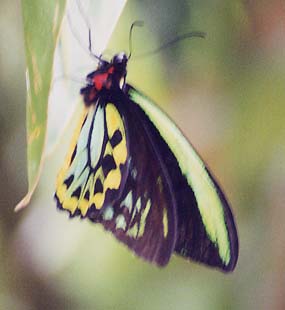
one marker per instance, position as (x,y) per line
(134,173)
(143,218)
(137,208)
(108,213)
(128,201)
(138,204)
(121,222)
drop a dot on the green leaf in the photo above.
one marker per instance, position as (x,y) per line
(42,20)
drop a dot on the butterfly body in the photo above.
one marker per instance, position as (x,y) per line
(132,170)
(108,76)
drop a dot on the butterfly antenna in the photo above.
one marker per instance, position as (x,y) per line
(137,23)
(86,20)
(80,42)
(75,34)
(188,35)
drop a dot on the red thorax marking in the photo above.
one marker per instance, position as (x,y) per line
(101,80)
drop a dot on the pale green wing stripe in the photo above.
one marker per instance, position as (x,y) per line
(97,137)
(81,156)
(83,137)
(79,164)
(192,167)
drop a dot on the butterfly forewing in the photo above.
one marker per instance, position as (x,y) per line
(116,176)
(206,230)
(95,170)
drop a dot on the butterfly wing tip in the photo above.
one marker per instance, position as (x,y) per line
(230,267)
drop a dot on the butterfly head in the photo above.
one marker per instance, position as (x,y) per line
(119,62)
(120,59)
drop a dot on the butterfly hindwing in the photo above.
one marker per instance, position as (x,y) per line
(206,229)
(144,217)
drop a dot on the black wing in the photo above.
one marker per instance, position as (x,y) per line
(206,230)
(144,216)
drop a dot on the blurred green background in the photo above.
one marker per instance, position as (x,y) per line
(227,94)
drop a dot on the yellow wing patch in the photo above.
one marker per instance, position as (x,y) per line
(114,122)
(62,173)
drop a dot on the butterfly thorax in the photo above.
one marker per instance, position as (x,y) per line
(108,76)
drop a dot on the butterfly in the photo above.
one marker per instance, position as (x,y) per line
(131,169)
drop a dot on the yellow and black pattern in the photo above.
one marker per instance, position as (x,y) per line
(143,217)
(95,163)
(113,175)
